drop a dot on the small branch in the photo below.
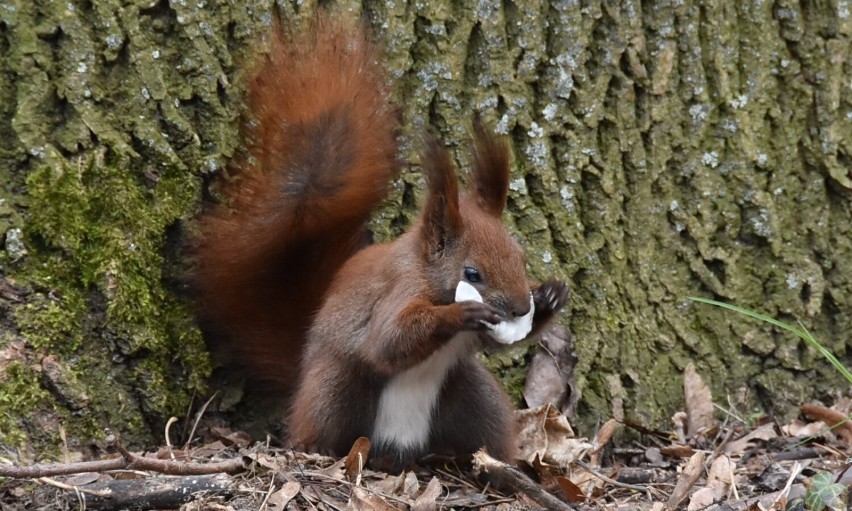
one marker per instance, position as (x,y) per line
(589,469)
(57,469)
(155,492)
(799,454)
(69,487)
(517,480)
(127,461)
(176,468)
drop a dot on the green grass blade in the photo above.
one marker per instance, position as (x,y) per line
(800,332)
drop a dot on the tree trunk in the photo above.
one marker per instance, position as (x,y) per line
(662,150)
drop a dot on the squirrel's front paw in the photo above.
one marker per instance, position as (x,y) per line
(477,315)
(550,297)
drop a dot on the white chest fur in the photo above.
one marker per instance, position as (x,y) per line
(407,404)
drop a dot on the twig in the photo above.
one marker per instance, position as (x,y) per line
(268,494)
(585,466)
(718,450)
(198,419)
(128,460)
(785,492)
(455,478)
(177,468)
(798,454)
(58,469)
(158,492)
(63,486)
(503,500)
(516,479)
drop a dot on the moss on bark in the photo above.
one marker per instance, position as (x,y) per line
(662,149)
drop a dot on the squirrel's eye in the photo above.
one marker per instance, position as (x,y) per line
(472,275)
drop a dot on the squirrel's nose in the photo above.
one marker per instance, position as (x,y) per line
(520,307)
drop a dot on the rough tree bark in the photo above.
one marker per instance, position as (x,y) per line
(663,149)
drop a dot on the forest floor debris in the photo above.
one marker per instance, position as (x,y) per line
(700,463)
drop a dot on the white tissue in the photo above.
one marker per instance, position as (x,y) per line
(505,332)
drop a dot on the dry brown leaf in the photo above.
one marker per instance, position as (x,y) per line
(411,485)
(718,484)
(587,480)
(427,501)
(264,460)
(702,498)
(798,428)
(765,432)
(690,474)
(364,501)
(545,472)
(721,471)
(699,403)
(166,453)
(337,470)
(357,458)
(546,433)
(81,478)
(390,484)
(229,437)
(572,492)
(279,499)
(209,449)
(550,378)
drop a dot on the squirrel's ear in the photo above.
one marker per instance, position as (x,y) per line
(442,222)
(490,177)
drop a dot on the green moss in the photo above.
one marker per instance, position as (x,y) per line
(20,394)
(100,235)
(661,151)
(52,322)
(115,115)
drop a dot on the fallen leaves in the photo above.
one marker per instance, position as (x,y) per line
(833,419)
(546,435)
(550,378)
(428,500)
(708,460)
(699,403)
(280,498)
(762,433)
(689,476)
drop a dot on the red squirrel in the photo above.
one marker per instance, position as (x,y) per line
(367,340)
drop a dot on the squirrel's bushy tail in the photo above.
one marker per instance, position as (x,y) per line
(320,155)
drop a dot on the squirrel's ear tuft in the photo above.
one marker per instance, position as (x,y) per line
(442,222)
(490,177)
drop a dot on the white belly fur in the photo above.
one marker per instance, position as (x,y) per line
(407,404)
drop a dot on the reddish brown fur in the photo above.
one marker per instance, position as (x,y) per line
(322,137)
(393,305)
(280,274)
